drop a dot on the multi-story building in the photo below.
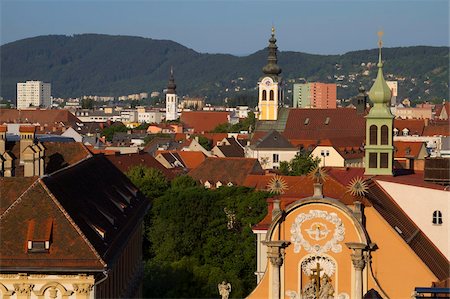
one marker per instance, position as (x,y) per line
(314,95)
(393,86)
(33,94)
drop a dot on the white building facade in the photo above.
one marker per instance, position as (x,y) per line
(33,94)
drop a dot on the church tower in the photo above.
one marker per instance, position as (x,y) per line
(379,124)
(171,99)
(270,86)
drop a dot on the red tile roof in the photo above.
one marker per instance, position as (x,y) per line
(190,159)
(437,129)
(225,170)
(415,126)
(49,116)
(203,121)
(315,124)
(403,149)
(125,162)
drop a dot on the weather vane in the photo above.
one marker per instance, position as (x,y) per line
(380,36)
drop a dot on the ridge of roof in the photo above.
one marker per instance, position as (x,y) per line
(72,222)
(18,200)
(273,139)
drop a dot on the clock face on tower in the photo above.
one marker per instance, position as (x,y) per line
(267,81)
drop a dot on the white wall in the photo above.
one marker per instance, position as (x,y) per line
(419,204)
(334,159)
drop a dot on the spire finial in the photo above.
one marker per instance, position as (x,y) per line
(273,30)
(380,45)
(171,70)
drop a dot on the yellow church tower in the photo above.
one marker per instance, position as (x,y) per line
(270,85)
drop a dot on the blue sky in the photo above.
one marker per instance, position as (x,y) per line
(238,27)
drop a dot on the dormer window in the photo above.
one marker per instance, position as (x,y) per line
(39,235)
(437,217)
(395,132)
(38,246)
(405,132)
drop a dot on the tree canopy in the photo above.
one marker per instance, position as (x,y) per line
(301,164)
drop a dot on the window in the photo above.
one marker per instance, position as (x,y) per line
(276,158)
(384,135)
(373,160)
(373,134)
(272,96)
(384,163)
(437,217)
(264,95)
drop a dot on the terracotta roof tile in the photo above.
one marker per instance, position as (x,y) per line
(415,126)
(125,162)
(203,121)
(49,116)
(225,170)
(315,124)
(403,149)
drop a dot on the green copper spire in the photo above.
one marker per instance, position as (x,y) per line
(271,68)
(380,92)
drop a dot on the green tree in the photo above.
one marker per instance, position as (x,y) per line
(200,237)
(87,103)
(116,127)
(301,164)
(205,142)
(222,128)
(150,181)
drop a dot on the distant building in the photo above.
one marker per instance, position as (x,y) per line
(193,103)
(413,113)
(155,94)
(314,95)
(393,86)
(34,94)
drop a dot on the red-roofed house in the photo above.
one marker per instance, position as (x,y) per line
(203,121)
(410,155)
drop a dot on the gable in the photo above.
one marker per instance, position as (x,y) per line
(68,249)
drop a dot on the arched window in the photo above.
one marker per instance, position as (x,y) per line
(437,217)
(373,134)
(264,95)
(271,95)
(384,135)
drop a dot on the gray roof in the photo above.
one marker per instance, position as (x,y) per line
(274,139)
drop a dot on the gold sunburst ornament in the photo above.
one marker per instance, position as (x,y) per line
(358,187)
(277,185)
(318,174)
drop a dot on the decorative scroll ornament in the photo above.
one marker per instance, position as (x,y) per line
(299,241)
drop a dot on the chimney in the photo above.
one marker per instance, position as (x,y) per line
(3,129)
(318,190)
(36,163)
(27,156)
(276,207)
(8,165)
(26,133)
(41,160)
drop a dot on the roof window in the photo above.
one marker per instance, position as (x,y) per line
(306,121)
(327,120)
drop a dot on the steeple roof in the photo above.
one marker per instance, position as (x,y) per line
(271,68)
(171,87)
(380,91)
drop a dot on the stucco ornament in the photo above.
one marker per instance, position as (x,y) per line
(327,265)
(314,232)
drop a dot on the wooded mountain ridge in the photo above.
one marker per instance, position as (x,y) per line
(106,65)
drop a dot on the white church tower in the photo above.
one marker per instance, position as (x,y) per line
(171,99)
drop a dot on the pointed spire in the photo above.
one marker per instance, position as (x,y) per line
(271,68)
(380,92)
(171,87)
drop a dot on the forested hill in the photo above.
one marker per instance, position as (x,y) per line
(94,64)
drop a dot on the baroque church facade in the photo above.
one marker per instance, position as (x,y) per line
(346,240)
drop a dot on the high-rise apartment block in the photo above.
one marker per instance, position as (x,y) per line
(314,95)
(33,94)
(393,86)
